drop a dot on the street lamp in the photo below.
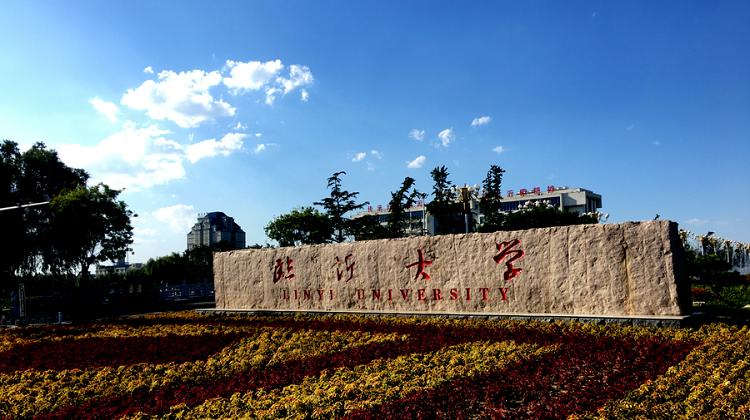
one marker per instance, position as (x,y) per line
(600,217)
(465,194)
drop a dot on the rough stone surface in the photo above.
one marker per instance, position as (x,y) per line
(626,269)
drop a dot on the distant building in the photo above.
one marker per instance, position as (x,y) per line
(213,228)
(576,200)
(120,266)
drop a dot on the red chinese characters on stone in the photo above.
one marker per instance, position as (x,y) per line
(506,251)
(420,266)
(278,271)
(349,267)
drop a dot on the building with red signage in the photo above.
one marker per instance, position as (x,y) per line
(577,200)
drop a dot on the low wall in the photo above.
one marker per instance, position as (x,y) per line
(625,269)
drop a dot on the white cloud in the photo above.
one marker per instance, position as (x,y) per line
(137,158)
(359,157)
(141,220)
(180,218)
(257,134)
(416,134)
(108,109)
(148,70)
(631,127)
(252,75)
(238,127)
(298,76)
(697,222)
(370,166)
(271,95)
(656,143)
(230,143)
(480,121)
(182,98)
(143,235)
(132,158)
(255,75)
(139,231)
(498,149)
(379,155)
(416,163)
(261,147)
(447,136)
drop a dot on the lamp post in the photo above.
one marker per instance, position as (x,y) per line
(464,194)
(600,217)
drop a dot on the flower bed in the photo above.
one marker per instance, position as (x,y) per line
(190,366)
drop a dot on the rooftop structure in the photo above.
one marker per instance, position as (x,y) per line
(120,266)
(577,200)
(213,228)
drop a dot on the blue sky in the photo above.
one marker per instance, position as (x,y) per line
(248,107)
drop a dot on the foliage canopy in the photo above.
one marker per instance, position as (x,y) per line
(303,226)
(80,226)
(337,205)
(401,201)
(447,213)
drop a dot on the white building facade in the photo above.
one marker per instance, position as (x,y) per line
(213,228)
(121,266)
(577,200)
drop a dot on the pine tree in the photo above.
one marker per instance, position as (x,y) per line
(491,201)
(337,205)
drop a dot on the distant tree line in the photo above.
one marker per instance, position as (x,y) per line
(307,225)
(195,265)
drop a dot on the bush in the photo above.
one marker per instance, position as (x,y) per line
(700,294)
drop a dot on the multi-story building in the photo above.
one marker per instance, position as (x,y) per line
(215,227)
(577,200)
(120,266)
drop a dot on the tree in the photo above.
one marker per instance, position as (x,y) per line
(542,216)
(337,205)
(401,201)
(12,258)
(491,201)
(303,226)
(199,262)
(709,269)
(28,178)
(448,213)
(169,269)
(89,225)
(366,228)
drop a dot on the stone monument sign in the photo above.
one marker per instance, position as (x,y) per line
(625,269)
